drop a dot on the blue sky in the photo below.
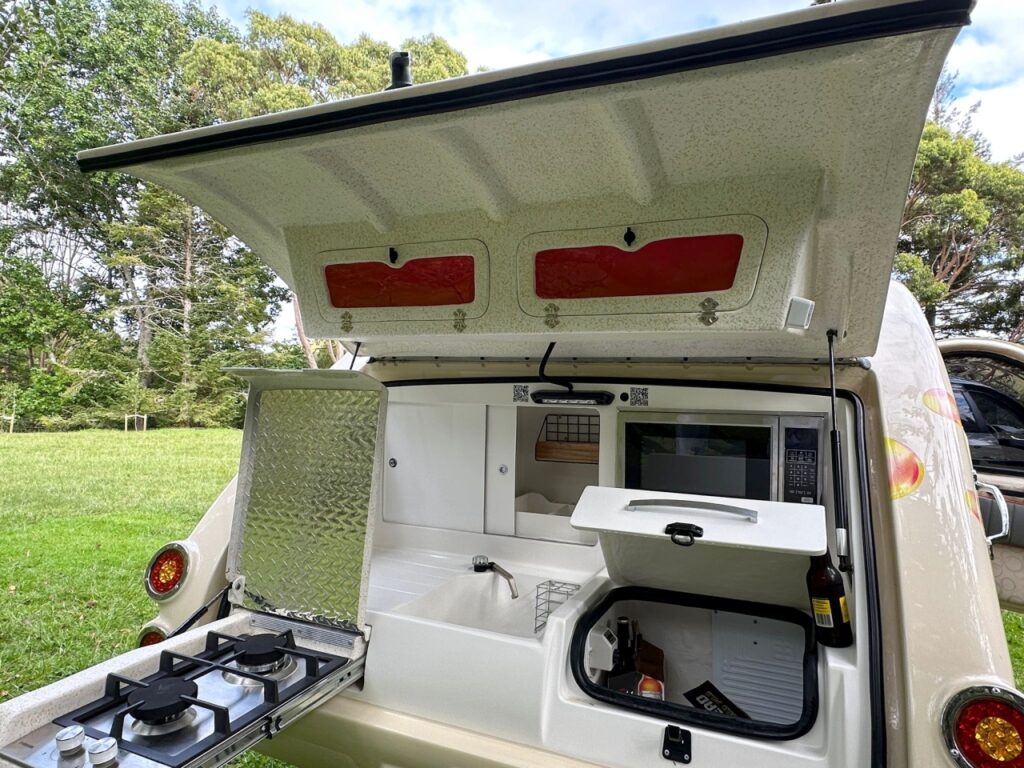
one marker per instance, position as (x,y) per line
(989,54)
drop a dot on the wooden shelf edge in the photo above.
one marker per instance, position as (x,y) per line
(571,453)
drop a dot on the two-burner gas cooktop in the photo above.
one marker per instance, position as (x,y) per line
(195,710)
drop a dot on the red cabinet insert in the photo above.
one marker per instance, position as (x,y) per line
(674,265)
(427,282)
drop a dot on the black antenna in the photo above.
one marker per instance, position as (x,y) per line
(838,481)
(354,354)
(543,368)
(401,70)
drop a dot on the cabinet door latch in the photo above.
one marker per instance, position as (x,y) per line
(676,746)
(684,534)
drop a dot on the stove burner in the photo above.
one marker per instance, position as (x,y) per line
(261,651)
(162,701)
(264,669)
(279,670)
(173,725)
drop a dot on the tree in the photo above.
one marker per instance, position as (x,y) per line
(115,294)
(198,291)
(80,74)
(123,265)
(35,325)
(962,236)
(281,63)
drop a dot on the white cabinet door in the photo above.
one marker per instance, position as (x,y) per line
(434,465)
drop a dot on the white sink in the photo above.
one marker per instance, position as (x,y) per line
(481,601)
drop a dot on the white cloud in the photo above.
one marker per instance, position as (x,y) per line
(989,57)
(989,52)
(499,35)
(1000,117)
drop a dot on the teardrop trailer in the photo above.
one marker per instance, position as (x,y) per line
(635,362)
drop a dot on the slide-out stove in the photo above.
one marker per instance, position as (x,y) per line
(195,710)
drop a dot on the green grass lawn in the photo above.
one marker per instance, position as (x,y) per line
(81,513)
(1013,623)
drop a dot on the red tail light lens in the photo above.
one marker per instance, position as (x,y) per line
(984,728)
(151,636)
(166,571)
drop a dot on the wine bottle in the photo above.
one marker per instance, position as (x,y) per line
(625,655)
(828,603)
(650,663)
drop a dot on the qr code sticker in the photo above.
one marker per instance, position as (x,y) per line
(520,393)
(638,397)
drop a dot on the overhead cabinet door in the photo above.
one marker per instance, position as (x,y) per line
(697,265)
(412,282)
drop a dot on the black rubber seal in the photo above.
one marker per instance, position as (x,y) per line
(871,23)
(679,713)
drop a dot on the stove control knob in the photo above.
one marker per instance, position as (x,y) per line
(69,740)
(102,751)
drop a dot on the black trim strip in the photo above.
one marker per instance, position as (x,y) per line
(688,715)
(888,21)
(876,682)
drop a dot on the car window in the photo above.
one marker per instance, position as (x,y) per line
(1001,415)
(967,416)
(1005,375)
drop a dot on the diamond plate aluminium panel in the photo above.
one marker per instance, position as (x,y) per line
(309,484)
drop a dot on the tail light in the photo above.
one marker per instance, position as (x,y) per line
(984,728)
(166,571)
(151,636)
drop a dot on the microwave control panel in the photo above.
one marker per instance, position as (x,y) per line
(801,460)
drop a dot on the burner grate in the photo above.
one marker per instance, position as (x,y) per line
(172,690)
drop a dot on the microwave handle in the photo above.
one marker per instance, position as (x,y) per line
(698,506)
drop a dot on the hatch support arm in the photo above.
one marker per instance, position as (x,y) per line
(838,481)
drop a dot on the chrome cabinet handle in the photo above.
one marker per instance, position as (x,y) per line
(699,506)
(1004,511)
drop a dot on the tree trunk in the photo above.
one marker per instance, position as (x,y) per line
(335,350)
(145,332)
(186,319)
(142,354)
(300,331)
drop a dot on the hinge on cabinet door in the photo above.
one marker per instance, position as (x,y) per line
(551,315)
(236,595)
(459,322)
(346,322)
(708,316)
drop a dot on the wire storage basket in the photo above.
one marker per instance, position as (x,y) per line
(569,437)
(550,595)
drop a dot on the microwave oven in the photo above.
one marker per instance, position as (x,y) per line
(740,455)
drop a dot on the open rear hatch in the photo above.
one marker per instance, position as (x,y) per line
(297,572)
(725,194)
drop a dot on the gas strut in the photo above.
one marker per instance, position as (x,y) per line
(838,482)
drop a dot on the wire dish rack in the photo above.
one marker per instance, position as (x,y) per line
(550,595)
(571,438)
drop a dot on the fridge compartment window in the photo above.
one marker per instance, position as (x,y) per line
(730,665)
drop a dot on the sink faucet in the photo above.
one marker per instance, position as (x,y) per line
(483,563)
